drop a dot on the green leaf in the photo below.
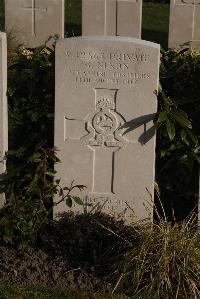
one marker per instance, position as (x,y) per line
(69,201)
(197,158)
(30,223)
(183,158)
(35,116)
(170,129)
(78,200)
(162,93)
(51,174)
(181,117)
(50,115)
(183,134)
(162,117)
(36,158)
(192,136)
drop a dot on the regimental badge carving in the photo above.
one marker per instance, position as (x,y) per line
(103,136)
(103,125)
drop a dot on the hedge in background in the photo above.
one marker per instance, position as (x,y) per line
(178,154)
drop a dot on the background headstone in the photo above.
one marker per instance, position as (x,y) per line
(33,21)
(112,17)
(104,106)
(3,105)
(184,26)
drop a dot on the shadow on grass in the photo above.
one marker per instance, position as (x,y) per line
(2,17)
(72,29)
(156,36)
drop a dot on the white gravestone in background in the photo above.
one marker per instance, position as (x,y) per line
(3,105)
(33,21)
(112,17)
(184,26)
(104,106)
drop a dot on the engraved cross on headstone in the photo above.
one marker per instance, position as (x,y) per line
(33,9)
(195,16)
(104,137)
(106,3)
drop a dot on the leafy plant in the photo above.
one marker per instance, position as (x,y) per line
(31,88)
(30,186)
(28,183)
(174,119)
(178,145)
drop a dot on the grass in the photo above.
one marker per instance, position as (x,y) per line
(166,264)
(73,17)
(154,28)
(155,25)
(16,292)
(2,22)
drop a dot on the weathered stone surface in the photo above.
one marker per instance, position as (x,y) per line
(184,26)
(31,22)
(112,17)
(3,105)
(104,106)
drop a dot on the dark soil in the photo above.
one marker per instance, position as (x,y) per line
(75,253)
(31,267)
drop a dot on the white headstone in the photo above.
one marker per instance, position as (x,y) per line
(33,21)
(104,106)
(184,26)
(112,17)
(3,105)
